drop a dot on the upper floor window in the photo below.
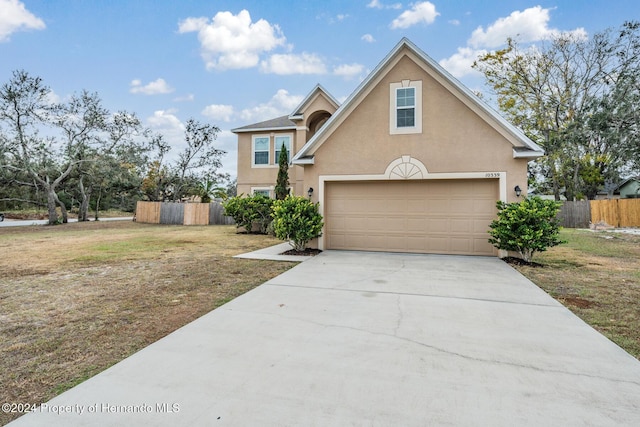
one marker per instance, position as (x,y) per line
(279,142)
(260,150)
(405,107)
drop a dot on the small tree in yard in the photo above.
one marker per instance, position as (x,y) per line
(250,211)
(526,227)
(297,220)
(282,182)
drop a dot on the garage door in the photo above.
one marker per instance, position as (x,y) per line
(431,216)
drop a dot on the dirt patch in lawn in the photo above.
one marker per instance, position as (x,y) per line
(597,276)
(77,298)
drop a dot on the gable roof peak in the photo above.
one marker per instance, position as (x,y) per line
(318,88)
(528,149)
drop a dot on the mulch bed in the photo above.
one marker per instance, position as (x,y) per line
(306,252)
(518,261)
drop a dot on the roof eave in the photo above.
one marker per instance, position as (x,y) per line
(241,130)
(310,160)
(527,154)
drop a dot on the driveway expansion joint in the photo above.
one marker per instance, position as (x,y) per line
(550,305)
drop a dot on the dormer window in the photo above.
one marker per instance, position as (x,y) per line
(405,107)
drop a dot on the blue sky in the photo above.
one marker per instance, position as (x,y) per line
(232,63)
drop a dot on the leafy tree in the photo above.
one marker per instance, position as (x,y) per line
(45,143)
(158,179)
(554,91)
(199,155)
(250,212)
(526,227)
(24,109)
(282,181)
(297,220)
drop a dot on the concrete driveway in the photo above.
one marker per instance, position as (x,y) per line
(371,339)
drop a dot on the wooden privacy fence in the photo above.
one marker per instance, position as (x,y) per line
(575,214)
(616,212)
(182,213)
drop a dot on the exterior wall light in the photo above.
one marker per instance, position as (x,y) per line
(517,190)
(310,192)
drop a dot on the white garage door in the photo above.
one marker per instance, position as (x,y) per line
(430,216)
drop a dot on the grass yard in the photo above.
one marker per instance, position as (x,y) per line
(596,276)
(76,299)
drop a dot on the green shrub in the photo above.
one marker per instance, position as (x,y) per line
(526,227)
(297,220)
(250,212)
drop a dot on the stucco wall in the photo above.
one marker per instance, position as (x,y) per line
(249,176)
(454,137)
(262,176)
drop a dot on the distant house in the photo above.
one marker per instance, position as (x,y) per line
(412,161)
(629,188)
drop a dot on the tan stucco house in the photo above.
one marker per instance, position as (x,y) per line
(412,161)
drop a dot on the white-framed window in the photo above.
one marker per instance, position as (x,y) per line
(260,150)
(261,191)
(278,142)
(405,107)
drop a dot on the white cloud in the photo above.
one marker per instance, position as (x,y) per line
(231,41)
(459,64)
(166,123)
(280,104)
(454,22)
(285,64)
(190,25)
(53,98)
(15,17)
(218,112)
(348,70)
(375,4)
(165,120)
(185,98)
(529,25)
(156,87)
(368,38)
(423,12)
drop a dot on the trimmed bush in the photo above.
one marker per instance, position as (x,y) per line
(526,227)
(251,212)
(297,220)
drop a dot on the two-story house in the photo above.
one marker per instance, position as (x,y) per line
(412,161)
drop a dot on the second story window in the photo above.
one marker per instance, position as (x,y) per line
(279,141)
(261,150)
(405,107)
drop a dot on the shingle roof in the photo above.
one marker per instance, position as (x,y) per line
(278,123)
